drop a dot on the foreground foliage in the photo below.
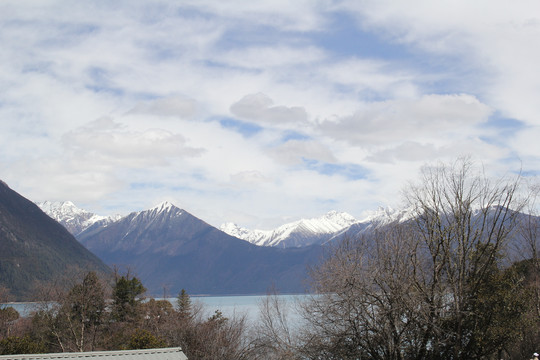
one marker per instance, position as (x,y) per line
(80,319)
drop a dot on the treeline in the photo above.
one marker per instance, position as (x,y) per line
(459,279)
(82,319)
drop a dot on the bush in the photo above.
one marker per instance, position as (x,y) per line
(21,345)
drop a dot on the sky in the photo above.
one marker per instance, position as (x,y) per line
(261,112)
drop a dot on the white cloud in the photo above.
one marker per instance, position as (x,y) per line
(249,178)
(259,108)
(267,57)
(410,151)
(293,152)
(60,178)
(430,117)
(493,42)
(371,76)
(106,142)
(301,15)
(175,106)
(528,147)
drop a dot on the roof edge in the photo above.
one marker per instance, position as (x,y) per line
(95,354)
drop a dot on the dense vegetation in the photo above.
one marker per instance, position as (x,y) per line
(446,284)
(80,318)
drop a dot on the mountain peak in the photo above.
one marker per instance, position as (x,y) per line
(385,215)
(60,210)
(239,232)
(60,207)
(340,218)
(165,206)
(73,218)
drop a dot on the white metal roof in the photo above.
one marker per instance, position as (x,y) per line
(147,354)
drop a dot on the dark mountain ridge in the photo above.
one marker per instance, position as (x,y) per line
(34,248)
(170,249)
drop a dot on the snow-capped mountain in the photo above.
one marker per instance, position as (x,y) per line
(373,219)
(300,233)
(319,230)
(170,248)
(386,215)
(138,231)
(74,219)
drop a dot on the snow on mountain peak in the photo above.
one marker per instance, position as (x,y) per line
(341,219)
(236,231)
(329,223)
(306,232)
(165,206)
(62,209)
(303,232)
(386,215)
(70,216)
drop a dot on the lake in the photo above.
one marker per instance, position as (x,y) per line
(229,305)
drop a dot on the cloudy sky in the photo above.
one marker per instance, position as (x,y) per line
(261,112)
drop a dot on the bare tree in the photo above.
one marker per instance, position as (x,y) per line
(365,304)
(274,335)
(220,337)
(427,288)
(464,221)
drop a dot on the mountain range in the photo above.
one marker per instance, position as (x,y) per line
(304,232)
(300,233)
(170,249)
(317,231)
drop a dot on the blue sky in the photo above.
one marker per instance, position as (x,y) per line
(261,112)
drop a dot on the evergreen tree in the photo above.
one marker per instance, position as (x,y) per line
(126,298)
(184,305)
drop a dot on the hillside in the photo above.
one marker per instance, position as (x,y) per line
(35,249)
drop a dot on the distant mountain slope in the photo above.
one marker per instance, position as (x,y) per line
(71,217)
(169,248)
(300,233)
(34,248)
(319,230)
(372,220)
